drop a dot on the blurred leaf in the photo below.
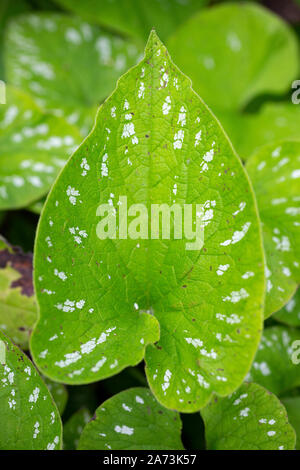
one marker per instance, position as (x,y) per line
(235,52)
(37,206)
(33,148)
(29,417)
(250,419)
(248,132)
(44,4)
(273,366)
(8,9)
(59,393)
(290,313)
(154,141)
(18,310)
(68,66)
(136,17)
(292,406)
(132,420)
(74,427)
(275,172)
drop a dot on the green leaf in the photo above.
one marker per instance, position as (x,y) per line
(136,17)
(18,310)
(292,406)
(29,417)
(68,65)
(290,313)
(249,132)
(33,148)
(8,9)
(236,52)
(250,419)
(74,427)
(132,420)
(154,142)
(59,393)
(275,172)
(274,366)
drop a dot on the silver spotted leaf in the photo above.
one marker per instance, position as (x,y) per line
(132,420)
(29,417)
(250,419)
(276,365)
(66,64)
(275,173)
(107,303)
(34,146)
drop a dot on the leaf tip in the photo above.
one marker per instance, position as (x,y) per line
(153,40)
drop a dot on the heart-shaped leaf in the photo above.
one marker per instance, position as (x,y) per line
(136,18)
(29,417)
(132,420)
(290,313)
(68,65)
(235,52)
(292,406)
(250,419)
(102,301)
(275,172)
(33,148)
(74,427)
(18,310)
(275,365)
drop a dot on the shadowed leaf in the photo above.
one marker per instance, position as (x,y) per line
(74,427)
(250,419)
